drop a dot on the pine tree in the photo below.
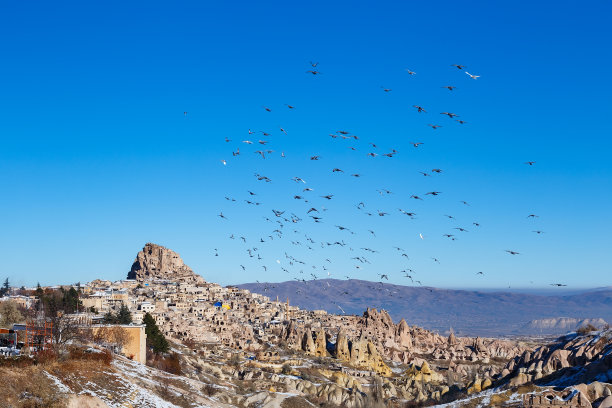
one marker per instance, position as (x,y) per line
(124,316)
(5,288)
(110,318)
(155,338)
(71,300)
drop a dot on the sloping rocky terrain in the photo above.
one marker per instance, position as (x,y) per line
(265,354)
(573,372)
(572,359)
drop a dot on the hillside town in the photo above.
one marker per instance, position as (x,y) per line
(226,336)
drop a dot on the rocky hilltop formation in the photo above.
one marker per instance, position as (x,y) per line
(372,342)
(359,353)
(573,359)
(402,342)
(156,262)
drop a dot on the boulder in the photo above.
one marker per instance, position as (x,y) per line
(606,403)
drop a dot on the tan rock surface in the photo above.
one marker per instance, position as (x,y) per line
(158,262)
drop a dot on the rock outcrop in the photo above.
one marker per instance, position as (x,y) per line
(342,351)
(401,342)
(360,353)
(365,355)
(571,360)
(156,262)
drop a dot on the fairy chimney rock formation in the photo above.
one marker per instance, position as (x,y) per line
(342,347)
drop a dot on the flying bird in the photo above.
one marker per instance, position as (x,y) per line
(472,76)
(450,114)
(512,252)
(459,66)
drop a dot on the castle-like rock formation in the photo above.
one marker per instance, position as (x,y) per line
(156,262)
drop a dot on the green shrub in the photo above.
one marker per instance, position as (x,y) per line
(286,369)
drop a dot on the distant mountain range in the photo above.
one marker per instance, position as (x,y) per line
(467,312)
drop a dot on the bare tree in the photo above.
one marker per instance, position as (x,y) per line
(66,329)
(114,335)
(120,337)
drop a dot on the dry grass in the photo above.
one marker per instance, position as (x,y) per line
(586,329)
(164,390)
(295,402)
(29,387)
(104,357)
(526,389)
(497,399)
(170,364)
(25,383)
(209,390)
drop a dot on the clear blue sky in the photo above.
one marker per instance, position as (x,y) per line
(97,158)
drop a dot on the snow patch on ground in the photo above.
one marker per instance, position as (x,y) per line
(60,385)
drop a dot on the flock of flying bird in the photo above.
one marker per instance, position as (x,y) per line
(283,223)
